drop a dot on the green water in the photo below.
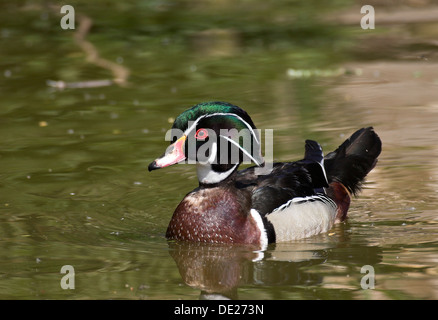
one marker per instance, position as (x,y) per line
(74,186)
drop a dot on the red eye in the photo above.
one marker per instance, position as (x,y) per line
(201,134)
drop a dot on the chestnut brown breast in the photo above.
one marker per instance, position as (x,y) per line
(214,215)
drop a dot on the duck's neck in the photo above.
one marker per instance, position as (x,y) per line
(211,174)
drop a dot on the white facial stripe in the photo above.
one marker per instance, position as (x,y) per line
(243,150)
(222,114)
(193,125)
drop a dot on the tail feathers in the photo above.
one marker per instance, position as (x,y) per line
(354,159)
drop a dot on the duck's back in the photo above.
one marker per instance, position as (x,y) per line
(288,200)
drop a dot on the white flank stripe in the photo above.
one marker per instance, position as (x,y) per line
(303,217)
(322,164)
(263,236)
(323,170)
(305,199)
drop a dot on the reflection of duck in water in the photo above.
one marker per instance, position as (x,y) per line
(218,270)
(293,200)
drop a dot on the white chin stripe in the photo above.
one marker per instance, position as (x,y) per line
(208,176)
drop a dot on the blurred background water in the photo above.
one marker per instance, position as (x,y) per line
(84,111)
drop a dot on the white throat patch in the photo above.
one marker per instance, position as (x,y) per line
(208,176)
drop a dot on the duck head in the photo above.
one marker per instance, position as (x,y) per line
(217,136)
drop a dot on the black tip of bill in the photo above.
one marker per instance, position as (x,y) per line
(153,166)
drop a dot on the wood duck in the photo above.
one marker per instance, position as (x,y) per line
(264,203)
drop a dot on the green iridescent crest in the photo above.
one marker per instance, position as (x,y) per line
(211,108)
(227,122)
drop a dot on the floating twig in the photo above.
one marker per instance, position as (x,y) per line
(120,73)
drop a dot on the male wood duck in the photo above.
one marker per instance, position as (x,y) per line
(287,201)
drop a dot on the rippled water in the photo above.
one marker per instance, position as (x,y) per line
(74,189)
